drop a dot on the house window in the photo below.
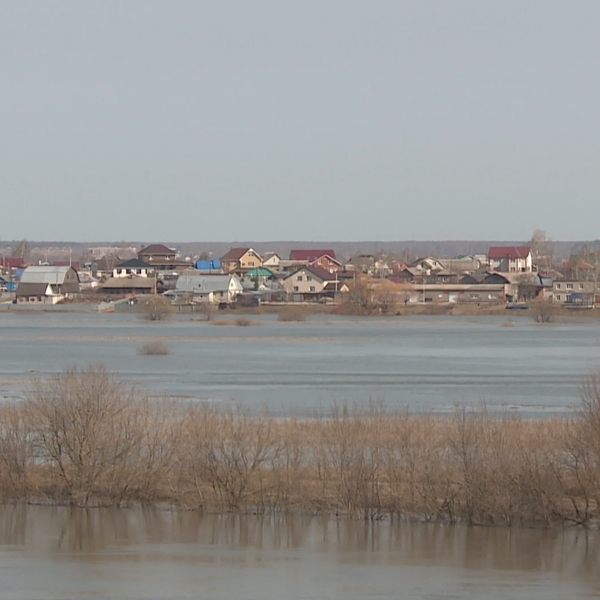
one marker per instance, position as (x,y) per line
(309,278)
(474,296)
(296,289)
(581,286)
(312,288)
(251,263)
(558,297)
(558,286)
(298,277)
(569,286)
(119,271)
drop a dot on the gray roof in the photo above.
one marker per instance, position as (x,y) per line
(133,263)
(192,283)
(45,274)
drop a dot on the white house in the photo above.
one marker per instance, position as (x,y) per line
(510,259)
(206,287)
(132,267)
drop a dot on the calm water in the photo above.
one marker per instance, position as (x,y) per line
(61,553)
(431,363)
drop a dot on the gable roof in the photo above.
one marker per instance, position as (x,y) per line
(157,249)
(500,252)
(311,255)
(322,274)
(135,263)
(237,253)
(204,283)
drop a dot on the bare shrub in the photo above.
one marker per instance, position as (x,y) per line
(155,308)
(543,311)
(86,438)
(292,314)
(154,348)
(87,429)
(245,322)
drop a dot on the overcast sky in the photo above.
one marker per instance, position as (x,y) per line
(325,120)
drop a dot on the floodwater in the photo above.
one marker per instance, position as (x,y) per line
(433,363)
(60,553)
(425,363)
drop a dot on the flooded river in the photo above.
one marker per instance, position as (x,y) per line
(57,553)
(61,553)
(430,363)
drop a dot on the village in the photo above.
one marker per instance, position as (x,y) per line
(242,277)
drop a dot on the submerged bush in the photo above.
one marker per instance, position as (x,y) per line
(85,437)
(154,348)
(291,314)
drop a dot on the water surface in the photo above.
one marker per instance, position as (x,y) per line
(61,553)
(425,363)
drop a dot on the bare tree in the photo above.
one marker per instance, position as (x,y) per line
(21,249)
(155,308)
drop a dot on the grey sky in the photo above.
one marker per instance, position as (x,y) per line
(320,120)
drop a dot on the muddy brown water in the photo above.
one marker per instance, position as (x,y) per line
(61,553)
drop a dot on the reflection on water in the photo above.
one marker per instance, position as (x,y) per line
(60,553)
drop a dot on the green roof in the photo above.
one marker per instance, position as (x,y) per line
(259,272)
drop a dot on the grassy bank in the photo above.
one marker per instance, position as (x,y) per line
(86,438)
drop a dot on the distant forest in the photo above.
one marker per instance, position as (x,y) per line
(445,248)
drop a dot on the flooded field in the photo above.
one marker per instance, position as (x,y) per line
(428,363)
(63,554)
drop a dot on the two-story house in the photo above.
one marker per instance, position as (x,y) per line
(510,259)
(239,260)
(307,283)
(162,259)
(324,259)
(575,293)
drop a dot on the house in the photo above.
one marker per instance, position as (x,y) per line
(162,259)
(307,283)
(102,268)
(47,285)
(325,259)
(575,293)
(510,259)
(240,259)
(133,266)
(459,293)
(130,284)
(271,260)
(222,288)
(426,265)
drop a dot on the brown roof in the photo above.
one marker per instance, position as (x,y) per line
(117,283)
(310,255)
(322,274)
(237,253)
(499,252)
(31,289)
